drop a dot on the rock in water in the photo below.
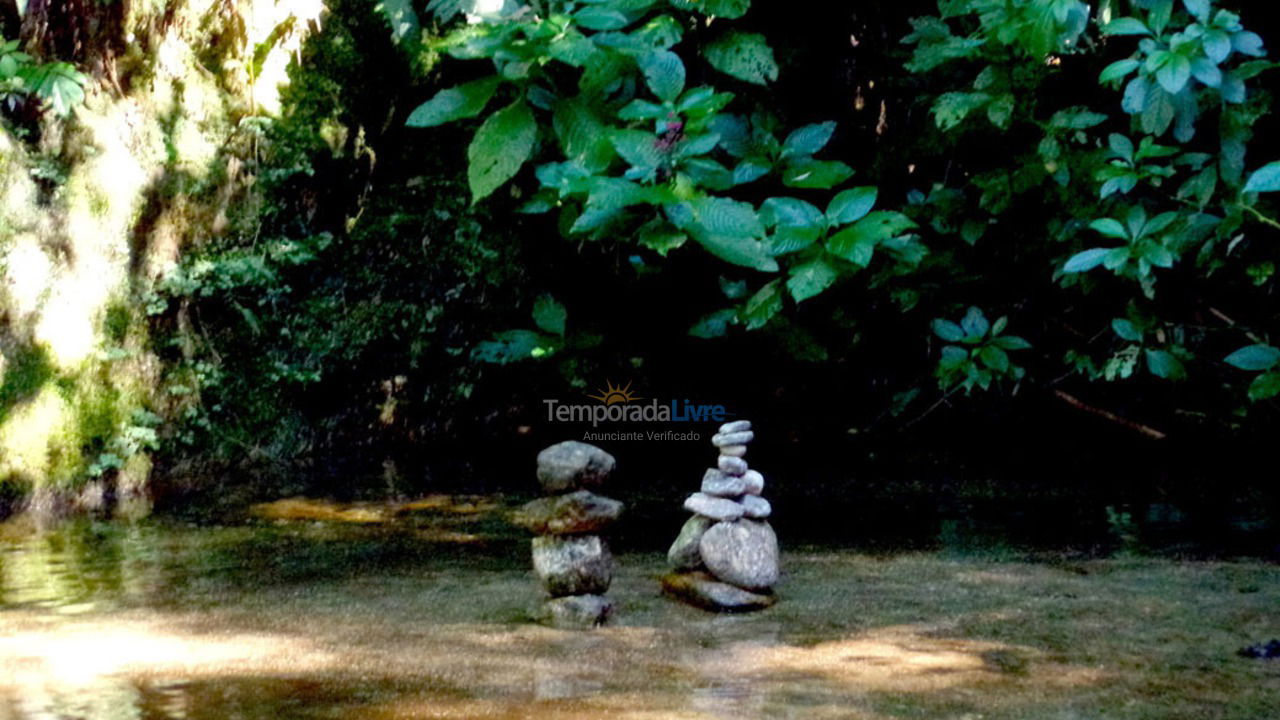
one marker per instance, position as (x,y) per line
(743,553)
(716,483)
(571,465)
(573,565)
(704,591)
(575,611)
(575,513)
(713,507)
(683,554)
(755,507)
(731,465)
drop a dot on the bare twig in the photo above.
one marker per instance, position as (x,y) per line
(1137,427)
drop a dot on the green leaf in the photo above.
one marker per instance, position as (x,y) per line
(745,56)
(811,278)
(789,212)
(661,239)
(1206,71)
(947,330)
(509,346)
(59,84)
(664,73)
(1086,260)
(809,139)
(1266,179)
(819,174)
(549,314)
(500,147)
(584,139)
(739,251)
(1198,9)
(398,13)
(599,18)
(1163,364)
(1254,358)
(455,103)
(729,9)
(762,306)
(1110,227)
(1175,73)
(1011,342)
(975,324)
(851,205)
(1118,70)
(730,218)
(1126,26)
(857,242)
(1126,330)
(637,147)
(994,358)
(1265,386)
(714,325)
(950,109)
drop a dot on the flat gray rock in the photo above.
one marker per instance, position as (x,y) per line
(713,507)
(683,554)
(735,438)
(572,465)
(732,465)
(735,426)
(742,553)
(754,482)
(572,564)
(701,590)
(716,483)
(755,507)
(573,513)
(574,612)
(733,450)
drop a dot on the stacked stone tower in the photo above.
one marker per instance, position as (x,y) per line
(726,556)
(570,557)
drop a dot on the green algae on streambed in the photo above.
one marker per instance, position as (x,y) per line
(334,620)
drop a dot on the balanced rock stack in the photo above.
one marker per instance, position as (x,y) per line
(726,556)
(570,558)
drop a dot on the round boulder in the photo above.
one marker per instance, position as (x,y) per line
(742,553)
(574,611)
(573,564)
(571,465)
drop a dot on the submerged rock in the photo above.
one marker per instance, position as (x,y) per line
(574,513)
(573,564)
(575,611)
(744,553)
(704,591)
(713,507)
(684,554)
(571,465)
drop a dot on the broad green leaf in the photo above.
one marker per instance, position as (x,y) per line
(1248,43)
(1118,70)
(455,103)
(745,56)
(583,137)
(500,147)
(664,73)
(661,239)
(509,346)
(851,205)
(1198,9)
(975,324)
(762,306)
(722,216)
(398,13)
(819,174)
(1126,330)
(1011,342)
(1265,386)
(1163,364)
(1217,45)
(994,358)
(600,18)
(1254,357)
(743,251)
(1086,260)
(1175,73)
(809,139)
(714,325)
(549,314)
(789,212)
(1110,227)
(1206,71)
(950,109)
(1126,26)
(857,242)
(729,9)
(1265,179)
(637,147)
(947,330)
(811,278)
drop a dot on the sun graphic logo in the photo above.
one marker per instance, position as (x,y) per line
(614,394)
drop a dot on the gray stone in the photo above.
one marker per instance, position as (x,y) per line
(571,465)
(755,507)
(754,482)
(715,482)
(572,564)
(574,513)
(713,507)
(732,465)
(736,438)
(702,590)
(742,553)
(574,611)
(735,426)
(734,450)
(683,554)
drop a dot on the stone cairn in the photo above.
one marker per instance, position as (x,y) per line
(726,556)
(570,558)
